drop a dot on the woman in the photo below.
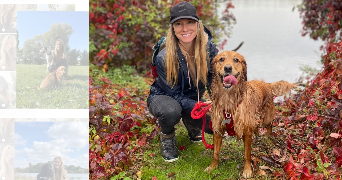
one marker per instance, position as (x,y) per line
(8,13)
(8,54)
(58,171)
(5,96)
(59,57)
(7,163)
(183,68)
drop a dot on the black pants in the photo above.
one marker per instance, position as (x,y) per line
(169,112)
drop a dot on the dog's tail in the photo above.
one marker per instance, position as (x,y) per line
(282,87)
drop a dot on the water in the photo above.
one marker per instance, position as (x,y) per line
(273,46)
(70,176)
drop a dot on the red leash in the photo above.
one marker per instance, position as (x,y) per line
(199,112)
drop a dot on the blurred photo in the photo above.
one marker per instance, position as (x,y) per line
(7,96)
(53,58)
(8,21)
(8,53)
(7,163)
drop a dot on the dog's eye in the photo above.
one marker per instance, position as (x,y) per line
(236,60)
(221,59)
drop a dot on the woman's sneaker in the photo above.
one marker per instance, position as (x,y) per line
(168,147)
(196,138)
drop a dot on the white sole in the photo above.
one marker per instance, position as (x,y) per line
(171,160)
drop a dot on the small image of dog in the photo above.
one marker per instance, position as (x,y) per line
(49,57)
(54,79)
(248,102)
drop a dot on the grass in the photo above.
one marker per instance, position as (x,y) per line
(194,159)
(72,94)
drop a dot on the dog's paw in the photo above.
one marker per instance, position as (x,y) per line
(247,173)
(210,168)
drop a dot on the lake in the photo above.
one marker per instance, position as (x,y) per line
(70,176)
(273,46)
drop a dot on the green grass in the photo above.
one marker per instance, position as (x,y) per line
(194,159)
(72,94)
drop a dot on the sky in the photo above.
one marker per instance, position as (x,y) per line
(31,23)
(40,142)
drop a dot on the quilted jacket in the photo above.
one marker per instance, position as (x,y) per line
(183,93)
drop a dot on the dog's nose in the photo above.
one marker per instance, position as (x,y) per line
(228,69)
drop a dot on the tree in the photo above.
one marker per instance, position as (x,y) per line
(85,58)
(30,54)
(322,19)
(73,56)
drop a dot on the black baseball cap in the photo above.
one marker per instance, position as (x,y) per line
(183,10)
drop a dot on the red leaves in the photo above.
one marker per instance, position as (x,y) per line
(313,133)
(338,155)
(182,148)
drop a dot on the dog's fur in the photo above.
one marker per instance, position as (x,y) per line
(54,78)
(49,57)
(247,101)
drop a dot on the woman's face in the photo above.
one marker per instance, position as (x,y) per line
(58,45)
(57,163)
(10,48)
(185,30)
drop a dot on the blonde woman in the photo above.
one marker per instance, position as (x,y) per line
(59,57)
(7,163)
(8,15)
(8,54)
(5,95)
(183,68)
(58,171)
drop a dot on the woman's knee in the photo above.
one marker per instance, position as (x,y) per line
(166,109)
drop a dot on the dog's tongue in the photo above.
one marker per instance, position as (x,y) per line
(230,80)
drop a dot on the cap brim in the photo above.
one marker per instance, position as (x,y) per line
(184,17)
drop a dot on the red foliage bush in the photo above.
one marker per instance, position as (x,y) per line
(116,118)
(312,123)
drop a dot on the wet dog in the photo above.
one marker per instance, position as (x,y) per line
(54,79)
(248,102)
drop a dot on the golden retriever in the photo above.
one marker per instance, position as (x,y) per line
(249,102)
(54,78)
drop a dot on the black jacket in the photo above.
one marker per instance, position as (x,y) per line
(183,93)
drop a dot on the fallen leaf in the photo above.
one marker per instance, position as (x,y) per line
(152,155)
(171,174)
(154,178)
(335,135)
(262,172)
(182,148)
(139,174)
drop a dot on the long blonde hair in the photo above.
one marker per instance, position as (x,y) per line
(59,53)
(201,56)
(4,166)
(61,171)
(5,95)
(4,57)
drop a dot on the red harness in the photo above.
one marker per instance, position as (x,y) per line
(199,112)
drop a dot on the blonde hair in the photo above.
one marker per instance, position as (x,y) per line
(61,171)
(201,56)
(59,53)
(5,95)
(4,56)
(10,14)
(4,167)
